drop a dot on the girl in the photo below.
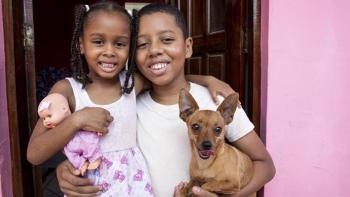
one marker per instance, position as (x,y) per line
(99,90)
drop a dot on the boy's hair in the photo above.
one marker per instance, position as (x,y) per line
(82,15)
(167,9)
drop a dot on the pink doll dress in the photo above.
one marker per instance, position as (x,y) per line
(84,146)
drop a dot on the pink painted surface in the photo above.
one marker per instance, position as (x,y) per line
(5,157)
(308,96)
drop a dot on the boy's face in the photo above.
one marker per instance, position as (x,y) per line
(161,49)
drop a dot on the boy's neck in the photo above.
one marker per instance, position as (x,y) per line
(169,95)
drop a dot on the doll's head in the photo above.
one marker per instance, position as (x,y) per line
(53,109)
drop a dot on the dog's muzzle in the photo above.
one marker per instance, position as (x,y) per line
(206,150)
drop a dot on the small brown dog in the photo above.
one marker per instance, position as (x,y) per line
(215,165)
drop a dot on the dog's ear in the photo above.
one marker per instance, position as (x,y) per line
(187,104)
(228,107)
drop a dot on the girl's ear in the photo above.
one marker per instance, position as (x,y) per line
(81,46)
(188,43)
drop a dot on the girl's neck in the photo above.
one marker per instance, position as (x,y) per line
(104,91)
(169,94)
(104,82)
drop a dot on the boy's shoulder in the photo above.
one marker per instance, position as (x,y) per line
(202,96)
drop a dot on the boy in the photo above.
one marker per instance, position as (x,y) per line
(162,47)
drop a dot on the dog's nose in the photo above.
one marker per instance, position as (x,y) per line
(206,145)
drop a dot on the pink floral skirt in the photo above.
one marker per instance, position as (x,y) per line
(123,173)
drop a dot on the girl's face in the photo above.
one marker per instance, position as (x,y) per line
(162,49)
(105,44)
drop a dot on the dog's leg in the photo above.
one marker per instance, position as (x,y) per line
(223,187)
(186,191)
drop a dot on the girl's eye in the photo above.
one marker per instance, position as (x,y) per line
(49,116)
(97,42)
(120,45)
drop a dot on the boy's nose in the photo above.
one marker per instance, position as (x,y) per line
(155,49)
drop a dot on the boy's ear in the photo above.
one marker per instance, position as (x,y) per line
(187,105)
(189,43)
(81,46)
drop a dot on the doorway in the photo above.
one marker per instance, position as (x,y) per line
(37,45)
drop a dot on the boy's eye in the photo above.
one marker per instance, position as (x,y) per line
(142,45)
(168,40)
(49,116)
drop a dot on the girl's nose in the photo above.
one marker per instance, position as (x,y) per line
(108,50)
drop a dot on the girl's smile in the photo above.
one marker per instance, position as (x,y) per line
(105,44)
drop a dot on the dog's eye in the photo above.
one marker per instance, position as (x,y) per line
(218,130)
(195,127)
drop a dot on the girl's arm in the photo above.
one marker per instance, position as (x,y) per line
(44,143)
(214,85)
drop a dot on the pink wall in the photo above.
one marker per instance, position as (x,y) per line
(308,96)
(5,158)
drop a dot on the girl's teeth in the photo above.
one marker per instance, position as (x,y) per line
(107,65)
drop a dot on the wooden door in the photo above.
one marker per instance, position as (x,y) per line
(225,45)
(20,83)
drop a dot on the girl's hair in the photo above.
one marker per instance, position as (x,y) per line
(82,15)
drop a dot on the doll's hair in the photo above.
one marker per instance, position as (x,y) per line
(167,9)
(82,15)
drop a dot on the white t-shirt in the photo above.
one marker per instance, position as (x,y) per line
(163,139)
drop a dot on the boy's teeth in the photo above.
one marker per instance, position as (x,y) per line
(158,66)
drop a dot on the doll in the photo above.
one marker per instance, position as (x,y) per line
(83,149)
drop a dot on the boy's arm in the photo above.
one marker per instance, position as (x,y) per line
(264,169)
(215,86)
(71,184)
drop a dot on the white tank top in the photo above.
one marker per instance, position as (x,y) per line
(122,130)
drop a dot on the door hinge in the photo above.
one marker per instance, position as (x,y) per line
(28,40)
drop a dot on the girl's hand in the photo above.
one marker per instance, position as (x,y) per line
(71,184)
(217,87)
(94,119)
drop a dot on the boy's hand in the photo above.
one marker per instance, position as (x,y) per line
(202,193)
(217,87)
(94,119)
(71,184)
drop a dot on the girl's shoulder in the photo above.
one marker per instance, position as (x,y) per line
(63,87)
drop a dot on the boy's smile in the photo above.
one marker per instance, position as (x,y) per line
(162,49)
